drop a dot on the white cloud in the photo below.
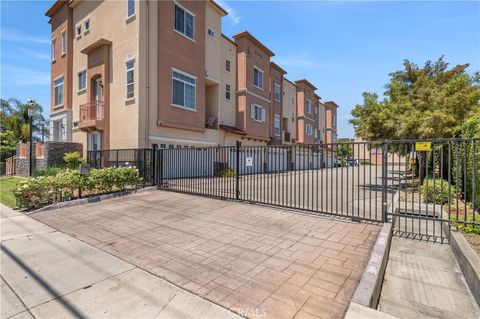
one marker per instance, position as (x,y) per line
(297,62)
(232,13)
(13,75)
(13,35)
(35,54)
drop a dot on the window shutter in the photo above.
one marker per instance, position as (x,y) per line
(252,111)
(263,114)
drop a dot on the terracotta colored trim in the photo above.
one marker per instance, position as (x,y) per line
(254,40)
(278,68)
(331,103)
(95,45)
(180,126)
(285,79)
(306,82)
(55,7)
(233,130)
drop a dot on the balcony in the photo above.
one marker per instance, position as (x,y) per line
(91,116)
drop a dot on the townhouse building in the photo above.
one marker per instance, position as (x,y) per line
(307,115)
(330,122)
(130,74)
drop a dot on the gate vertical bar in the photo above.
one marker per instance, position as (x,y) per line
(384,181)
(237,170)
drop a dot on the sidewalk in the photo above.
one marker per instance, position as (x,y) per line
(46,273)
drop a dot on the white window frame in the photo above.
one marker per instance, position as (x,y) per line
(194,92)
(276,120)
(132,69)
(316,110)
(84,89)
(253,115)
(308,106)
(185,10)
(308,129)
(129,16)
(263,77)
(64,42)
(55,92)
(208,32)
(229,91)
(275,87)
(54,49)
(229,63)
(87,21)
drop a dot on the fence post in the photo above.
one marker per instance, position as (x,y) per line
(160,166)
(237,170)
(154,164)
(117,159)
(384,181)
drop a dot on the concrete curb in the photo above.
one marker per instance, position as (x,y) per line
(467,259)
(93,199)
(356,311)
(368,291)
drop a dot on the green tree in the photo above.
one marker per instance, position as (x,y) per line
(14,125)
(344,151)
(420,102)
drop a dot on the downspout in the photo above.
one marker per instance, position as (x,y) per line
(147,126)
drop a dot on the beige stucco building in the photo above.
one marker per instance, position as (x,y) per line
(130,74)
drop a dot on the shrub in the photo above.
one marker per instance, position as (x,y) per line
(49,171)
(73,159)
(468,226)
(436,191)
(227,172)
(68,184)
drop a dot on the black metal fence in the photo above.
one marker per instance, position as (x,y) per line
(7,163)
(420,186)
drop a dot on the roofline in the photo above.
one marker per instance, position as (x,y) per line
(228,39)
(289,81)
(331,103)
(254,40)
(306,81)
(55,7)
(219,7)
(276,66)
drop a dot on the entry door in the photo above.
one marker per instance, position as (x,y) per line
(94,141)
(99,96)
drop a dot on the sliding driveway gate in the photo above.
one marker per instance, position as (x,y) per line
(421,186)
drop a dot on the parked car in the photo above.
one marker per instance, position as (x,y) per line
(353,162)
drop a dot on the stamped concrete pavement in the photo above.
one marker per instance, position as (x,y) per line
(256,261)
(48,274)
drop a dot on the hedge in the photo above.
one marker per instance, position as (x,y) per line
(69,184)
(437,191)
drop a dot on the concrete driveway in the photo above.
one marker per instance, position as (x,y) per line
(257,261)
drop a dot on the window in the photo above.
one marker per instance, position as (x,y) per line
(183,90)
(79,31)
(316,110)
(82,80)
(58,89)
(64,42)
(54,48)
(184,22)
(277,92)
(87,25)
(316,134)
(211,33)
(257,113)
(130,79)
(258,78)
(308,129)
(130,8)
(228,92)
(276,125)
(309,106)
(227,65)
(94,141)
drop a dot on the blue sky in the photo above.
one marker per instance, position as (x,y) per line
(343,47)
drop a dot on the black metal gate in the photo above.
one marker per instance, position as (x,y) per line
(411,183)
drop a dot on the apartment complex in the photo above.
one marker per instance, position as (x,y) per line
(330,122)
(129,74)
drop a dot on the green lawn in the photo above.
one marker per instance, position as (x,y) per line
(7,184)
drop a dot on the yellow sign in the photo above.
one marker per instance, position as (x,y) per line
(423,146)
